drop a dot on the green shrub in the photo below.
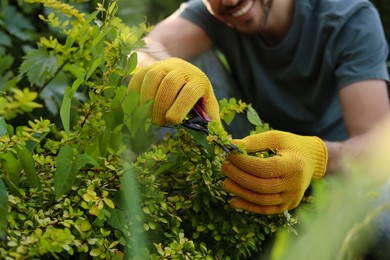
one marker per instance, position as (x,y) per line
(85,174)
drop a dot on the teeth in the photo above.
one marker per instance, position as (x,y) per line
(243,10)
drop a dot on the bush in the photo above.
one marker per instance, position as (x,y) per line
(85,174)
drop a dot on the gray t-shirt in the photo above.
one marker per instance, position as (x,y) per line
(294,86)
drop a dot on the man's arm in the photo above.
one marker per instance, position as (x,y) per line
(365,104)
(174,37)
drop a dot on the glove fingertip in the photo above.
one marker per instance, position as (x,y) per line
(137,79)
(229,185)
(242,204)
(176,114)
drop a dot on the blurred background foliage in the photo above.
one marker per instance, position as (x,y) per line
(151,11)
(384,11)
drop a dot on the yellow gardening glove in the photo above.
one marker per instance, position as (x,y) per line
(277,183)
(175,86)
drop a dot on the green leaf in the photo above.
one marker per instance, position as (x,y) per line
(92,149)
(82,160)
(66,104)
(53,93)
(104,141)
(228,118)
(120,94)
(16,23)
(95,64)
(6,61)
(139,117)
(112,9)
(118,219)
(28,164)
(200,138)
(65,109)
(64,174)
(5,40)
(75,70)
(253,117)
(111,138)
(98,37)
(12,166)
(113,118)
(130,102)
(67,169)
(39,66)
(3,126)
(8,81)
(3,208)
(132,206)
(131,63)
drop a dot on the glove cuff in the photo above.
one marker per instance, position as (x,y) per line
(319,153)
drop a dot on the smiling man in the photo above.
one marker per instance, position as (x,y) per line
(314,69)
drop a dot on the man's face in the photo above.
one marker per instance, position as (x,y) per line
(246,16)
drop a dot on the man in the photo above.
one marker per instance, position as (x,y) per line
(314,69)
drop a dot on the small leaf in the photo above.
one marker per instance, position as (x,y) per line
(253,117)
(109,202)
(200,228)
(95,252)
(201,139)
(228,118)
(89,197)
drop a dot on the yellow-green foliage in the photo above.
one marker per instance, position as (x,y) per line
(94,180)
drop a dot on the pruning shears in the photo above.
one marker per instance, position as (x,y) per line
(199,122)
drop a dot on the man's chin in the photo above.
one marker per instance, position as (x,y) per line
(249,28)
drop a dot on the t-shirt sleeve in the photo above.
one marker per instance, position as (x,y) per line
(361,49)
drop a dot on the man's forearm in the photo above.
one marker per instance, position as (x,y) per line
(354,147)
(337,151)
(151,53)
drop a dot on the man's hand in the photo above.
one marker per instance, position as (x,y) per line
(277,183)
(175,86)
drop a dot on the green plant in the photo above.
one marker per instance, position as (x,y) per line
(98,180)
